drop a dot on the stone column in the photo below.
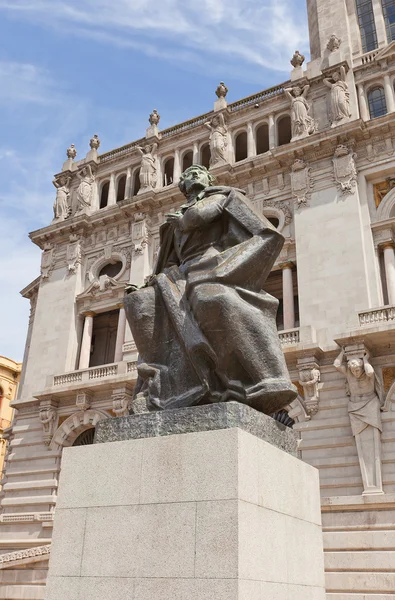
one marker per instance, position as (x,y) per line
(389,93)
(128,188)
(251,150)
(288,296)
(120,339)
(177,167)
(363,106)
(195,159)
(111,191)
(272,132)
(389,262)
(86,343)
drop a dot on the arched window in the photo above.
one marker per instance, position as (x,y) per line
(205,156)
(377,104)
(241,146)
(85,438)
(168,171)
(136,182)
(121,188)
(284,132)
(262,139)
(389,18)
(104,194)
(367,25)
(187,160)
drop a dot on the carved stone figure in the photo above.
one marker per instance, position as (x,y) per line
(364,390)
(85,189)
(154,117)
(47,260)
(71,152)
(148,170)
(297,60)
(340,97)
(218,139)
(205,330)
(302,124)
(301,182)
(309,379)
(221,90)
(333,43)
(47,416)
(344,169)
(73,254)
(121,401)
(61,207)
(94,142)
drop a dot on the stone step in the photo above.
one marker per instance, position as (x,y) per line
(360,582)
(361,596)
(359,540)
(360,561)
(33,485)
(22,592)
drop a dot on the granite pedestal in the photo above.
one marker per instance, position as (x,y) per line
(227,513)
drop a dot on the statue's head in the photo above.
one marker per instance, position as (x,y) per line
(194,178)
(147,148)
(336,76)
(356,367)
(297,90)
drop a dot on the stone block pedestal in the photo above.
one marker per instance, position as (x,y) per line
(206,515)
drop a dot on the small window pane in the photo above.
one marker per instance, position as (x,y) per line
(377,105)
(389,18)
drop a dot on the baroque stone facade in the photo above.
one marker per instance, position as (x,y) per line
(329,192)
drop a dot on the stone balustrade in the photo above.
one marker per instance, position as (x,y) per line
(26,517)
(91,374)
(289,337)
(375,316)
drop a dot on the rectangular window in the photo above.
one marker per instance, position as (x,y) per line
(104,335)
(367,25)
(389,18)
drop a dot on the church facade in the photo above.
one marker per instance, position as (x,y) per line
(316,156)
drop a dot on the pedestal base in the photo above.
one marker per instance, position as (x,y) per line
(211,515)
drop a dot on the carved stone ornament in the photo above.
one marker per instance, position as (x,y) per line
(218,139)
(303,124)
(47,417)
(73,254)
(71,152)
(301,182)
(333,43)
(85,188)
(148,174)
(297,60)
(47,260)
(62,205)
(221,90)
(283,206)
(309,379)
(154,117)
(94,142)
(83,400)
(344,169)
(121,401)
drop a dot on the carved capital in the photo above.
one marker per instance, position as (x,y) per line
(309,379)
(83,400)
(121,401)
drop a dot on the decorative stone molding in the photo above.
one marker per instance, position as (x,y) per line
(333,43)
(83,400)
(47,260)
(74,253)
(21,554)
(309,379)
(301,182)
(297,60)
(121,401)
(281,211)
(69,430)
(344,169)
(47,415)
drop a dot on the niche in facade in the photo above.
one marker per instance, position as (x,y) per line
(168,171)
(187,160)
(121,188)
(104,194)
(284,132)
(205,156)
(262,139)
(241,146)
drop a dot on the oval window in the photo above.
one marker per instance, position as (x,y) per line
(111,269)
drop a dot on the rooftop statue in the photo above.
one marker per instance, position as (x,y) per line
(204,328)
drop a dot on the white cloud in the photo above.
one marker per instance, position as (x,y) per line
(25,83)
(261,33)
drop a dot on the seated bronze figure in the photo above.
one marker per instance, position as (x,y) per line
(204,328)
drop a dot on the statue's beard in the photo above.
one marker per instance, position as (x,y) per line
(195,189)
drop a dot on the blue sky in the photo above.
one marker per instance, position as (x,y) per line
(72,68)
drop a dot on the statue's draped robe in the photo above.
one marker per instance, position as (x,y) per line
(205,330)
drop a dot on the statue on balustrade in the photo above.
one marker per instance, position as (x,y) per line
(85,189)
(148,170)
(61,207)
(302,124)
(365,403)
(340,97)
(218,139)
(204,328)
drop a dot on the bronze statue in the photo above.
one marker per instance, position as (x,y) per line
(205,329)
